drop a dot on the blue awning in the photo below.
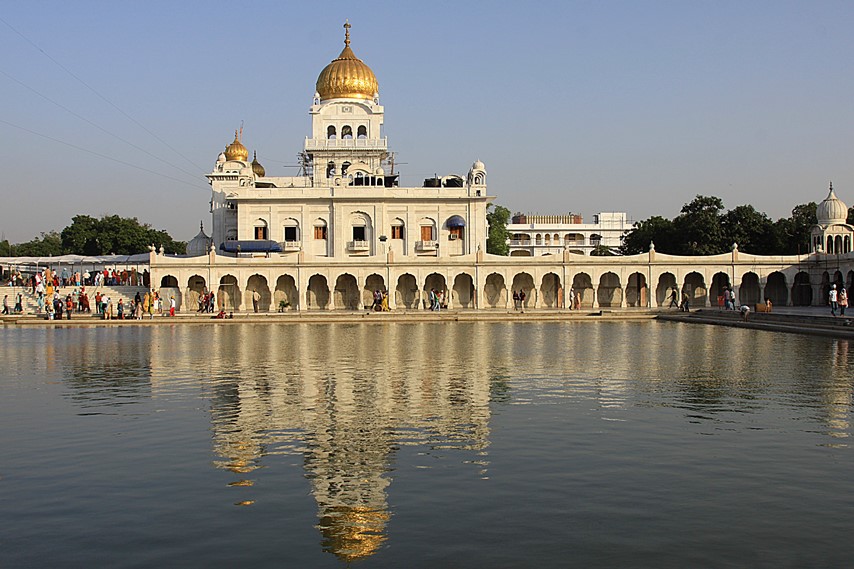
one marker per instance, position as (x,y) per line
(456,221)
(251,246)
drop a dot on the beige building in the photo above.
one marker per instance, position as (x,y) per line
(343,229)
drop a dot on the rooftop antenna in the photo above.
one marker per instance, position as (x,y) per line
(391,162)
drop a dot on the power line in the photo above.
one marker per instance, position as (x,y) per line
(102,129)
(102,97)
(150,171)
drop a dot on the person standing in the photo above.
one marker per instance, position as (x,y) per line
(172,306)
(19,303)
(515,301)
(255,298)
(6,304)
(522,300)
(833,298)
(843,301)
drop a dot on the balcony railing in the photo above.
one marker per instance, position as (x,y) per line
(426,245)
(327,143)
(358,245)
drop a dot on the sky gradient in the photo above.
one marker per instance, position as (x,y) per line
(121,108)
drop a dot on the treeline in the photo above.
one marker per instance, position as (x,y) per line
(110,235)
(704,228)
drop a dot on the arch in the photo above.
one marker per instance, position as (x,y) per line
(829,249)
(846,244)
(435,281)
(362,131)
(823,299)
(168,281)
(228,294)
(748,292)
(495,291)
(406,293)
(290,230)
(330,132)
(520,253)
(259,283)
(360,226)
(320,229)
(636,290)
(196,289)
(317,293)
(330,169)
(373,283)
(582,284)
(548,239)
(720,282)
(802,289)
(538,239)
(573,239)
(551,291)
(260,230)
(696,286)
(346,294)
(463,291)
(286,291)
(525,282)
(776,289)
(427,229)
(837,245)
(664,289)
(610,291)
(346,132)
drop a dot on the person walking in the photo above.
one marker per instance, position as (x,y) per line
(833,297)
(674,294)
(19,303)
(172,306)
(6,304)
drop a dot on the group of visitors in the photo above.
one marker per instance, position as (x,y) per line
(207,302)
(381,301)
(838,300)
(519,300)
(436,300)
(19,304)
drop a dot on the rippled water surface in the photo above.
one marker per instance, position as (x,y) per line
(583,444)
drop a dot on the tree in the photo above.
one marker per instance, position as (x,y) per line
(698,227)
(602,251)
(114,234)
(47,245)
(793,233)
(656,229)
(5,248)
(496,243)
(752,230)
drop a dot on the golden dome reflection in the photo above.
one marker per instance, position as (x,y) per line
(353,532)
(236,150)
(347,77)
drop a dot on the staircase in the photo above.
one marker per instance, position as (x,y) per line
(30,302)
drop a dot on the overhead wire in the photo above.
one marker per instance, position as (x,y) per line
(99,127)
(102,97)
(72,145)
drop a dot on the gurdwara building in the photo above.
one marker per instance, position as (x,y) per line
(331,237)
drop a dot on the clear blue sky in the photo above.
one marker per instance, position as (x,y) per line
(572,106)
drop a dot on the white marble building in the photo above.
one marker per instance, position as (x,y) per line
(533,234)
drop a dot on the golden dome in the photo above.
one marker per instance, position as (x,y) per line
(347,77)
(256,166)
(236,150)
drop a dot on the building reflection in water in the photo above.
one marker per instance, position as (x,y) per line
(346,398)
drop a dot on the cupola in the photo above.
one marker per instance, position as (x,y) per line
(236,150)
(347,76)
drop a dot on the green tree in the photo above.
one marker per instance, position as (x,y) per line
(496,243)
(5,248)
(46,245)
(656,229)
(752,230)
(698,227)
(793,233)
(81,237)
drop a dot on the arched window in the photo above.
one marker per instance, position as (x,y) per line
(346,132)
(362,132)
(344,167)
(330,169)
(319,229)
(397,229)
(261,229)
(846,244)
(837,244)
(330,132)
(538,239)
(290,230)
(829,249)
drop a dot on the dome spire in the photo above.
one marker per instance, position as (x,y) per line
(347,76)
(347,27)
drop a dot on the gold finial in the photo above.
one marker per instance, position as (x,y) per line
(347,27)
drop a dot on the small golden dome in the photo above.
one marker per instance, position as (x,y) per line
(256,166)
(347,77)
(236,150)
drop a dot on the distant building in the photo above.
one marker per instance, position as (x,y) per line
(533,235)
